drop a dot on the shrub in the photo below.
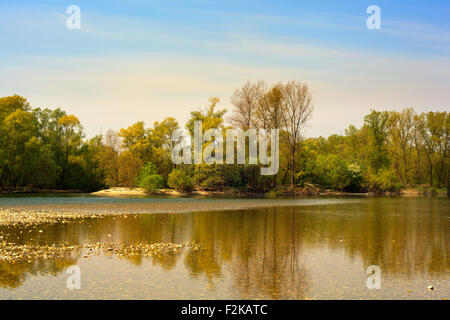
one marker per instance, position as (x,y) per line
(180,181)
(384,180)
(149,179)
(353,177)
(209,177)
(332,172)
(272,194)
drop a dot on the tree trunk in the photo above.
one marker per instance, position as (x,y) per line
(448,186)
(405,168)
(448,182)
(292,170)
(418,172)
(286,172)
(431,174)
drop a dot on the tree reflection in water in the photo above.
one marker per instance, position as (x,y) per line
(264,251)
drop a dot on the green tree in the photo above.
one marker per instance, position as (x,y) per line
(70,135)
(11,104)
(160,137)
(135,139)
(180,180)
(377,122)
(208,177)
(109,158)
(149,179)
(19,127)
(401,126)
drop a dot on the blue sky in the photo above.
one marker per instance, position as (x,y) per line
(145,60)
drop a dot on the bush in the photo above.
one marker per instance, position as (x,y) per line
(272,194)
(209,177)
(149,179)
(352,175)
(180,181)
(384,180)
(332,172)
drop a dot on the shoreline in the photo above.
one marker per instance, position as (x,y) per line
(42,191)
(124,192)
(282,192)
(118,192)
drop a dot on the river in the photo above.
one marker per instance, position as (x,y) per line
(172,248)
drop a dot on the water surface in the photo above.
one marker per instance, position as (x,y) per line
(303,249)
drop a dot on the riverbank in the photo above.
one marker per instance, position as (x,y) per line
(126,192)
(285,192)
(42,191)
(280,192)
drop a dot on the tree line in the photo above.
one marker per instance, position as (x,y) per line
(392,150)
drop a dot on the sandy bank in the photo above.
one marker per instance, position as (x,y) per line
(116,192)
(124,192)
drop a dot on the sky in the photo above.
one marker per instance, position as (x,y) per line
(146,60)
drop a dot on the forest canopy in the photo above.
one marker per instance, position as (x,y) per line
(392,150)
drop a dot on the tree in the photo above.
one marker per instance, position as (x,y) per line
(377,124)
(91,155)
(297,110)
(135,139)
(129,168)
(19,128)
(180,180)
(209,176)
(446,149)
(40,168)
(431,129)
(44,148)
(246,101)
(149,179)
(160,137)
(70,135)
(417,141)
(10,104)
(269,114)
(401,130)
(211,118)
(109,158)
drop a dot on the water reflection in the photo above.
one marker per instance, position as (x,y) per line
(275,253)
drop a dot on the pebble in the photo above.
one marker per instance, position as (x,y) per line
(12,252)
(21,217)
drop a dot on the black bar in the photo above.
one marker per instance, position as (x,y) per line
(226,309)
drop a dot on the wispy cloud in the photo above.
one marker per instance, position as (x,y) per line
(119,69)
(415,30)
